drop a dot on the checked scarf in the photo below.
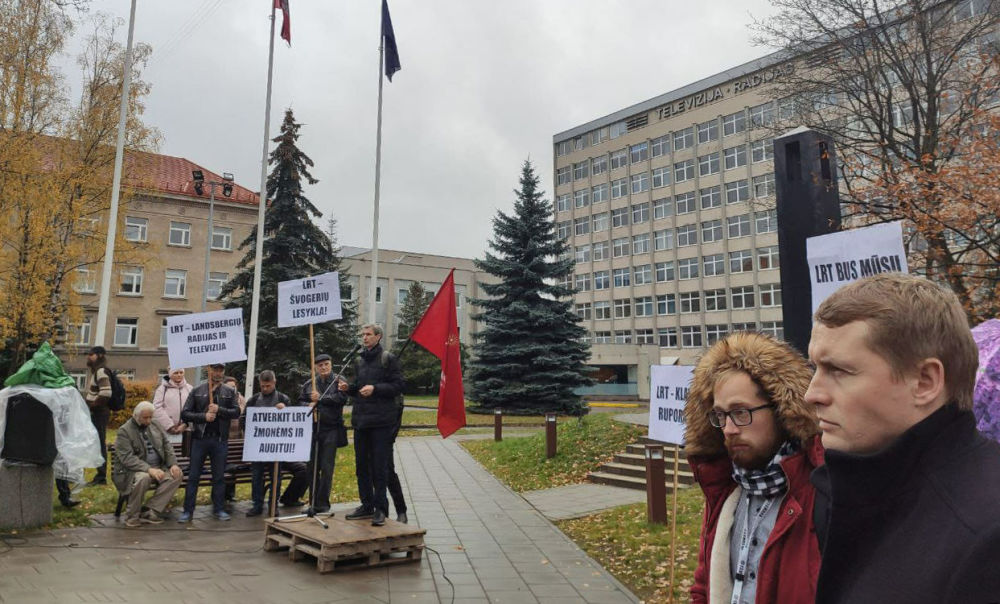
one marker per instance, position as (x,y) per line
(771,480)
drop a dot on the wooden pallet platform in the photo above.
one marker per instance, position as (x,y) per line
(347,543)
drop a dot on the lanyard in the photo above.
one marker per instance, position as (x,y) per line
(744,553)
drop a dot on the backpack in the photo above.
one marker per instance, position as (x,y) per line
(117,400)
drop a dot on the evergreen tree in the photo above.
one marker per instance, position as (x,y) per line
(294,248)
(421,369)
(529,355)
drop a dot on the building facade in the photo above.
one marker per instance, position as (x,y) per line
(668,207)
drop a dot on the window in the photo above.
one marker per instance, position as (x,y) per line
(599,193)
(714,333)
(666,304)
(640,182)
(347,293)
(684,170)
(663,239)
(599,165)
(690,302)
(767,221)
(623,308)
(581,170)
(715,299)
(602,250)
(581,226)
(763,185)
(618,129)
(581,254)
(584,311)
(661,145)
(582,282)
(664,271)
(685,203)
(618,159)
(180,233)
(563,229)
(600,222)
(640,213)
(714,265)
(745,326)
(598,136)
(131,281)
(667,336)
(762,115)
(602,280)
(684,139)
(743,297)
(86,281)
(711,197)
(623,337)
(740,261)
(762,150)
(739,226)
(222,238)
(621,247)
(711,230)
(708,131)
(734,123)
(563,148)
(767,257)
(691,336)
(687,268)
(708,164)
(602,310)
(902,114)
(563,175)
(639,152)
(126,332)
(662,208)
(566,281)
(622,277)
(562,202)
(770,295)
(775,329)
(175,284)
(378,294)
(687,235)
(217,280)
(136,229)
(737,191)
(619,217)
(80,332)
(642,274)
(163,334)
(644,306)
(602,337)
(661,177)
(734,157)
(644,336)
(581,199)
(619,188)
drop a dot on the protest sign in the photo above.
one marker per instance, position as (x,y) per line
(277,434)
(839,258)
(309,300)
(205,338)
(668,388)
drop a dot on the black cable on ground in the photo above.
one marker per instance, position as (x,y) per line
(444,575)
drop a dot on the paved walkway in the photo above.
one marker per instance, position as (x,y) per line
(493,546)
(576,500)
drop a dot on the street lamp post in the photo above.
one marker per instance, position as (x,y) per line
(227,190)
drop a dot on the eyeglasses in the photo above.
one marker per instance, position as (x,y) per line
(740,417)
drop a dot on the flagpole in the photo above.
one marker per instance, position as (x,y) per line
(116,185)
(261,207)
(378,174)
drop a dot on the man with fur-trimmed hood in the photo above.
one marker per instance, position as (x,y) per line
(752,442)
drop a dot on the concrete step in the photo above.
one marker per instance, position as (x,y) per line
(640,460)
(618,480)
(668,451)
(640,472)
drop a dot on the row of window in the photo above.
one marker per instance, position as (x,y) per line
(137,230)
(126,332)
(740,261)
(736,298)
(132,281)
(691,336)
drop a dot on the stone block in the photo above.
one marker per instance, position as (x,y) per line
(25,496)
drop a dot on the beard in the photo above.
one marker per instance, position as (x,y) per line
(751,457)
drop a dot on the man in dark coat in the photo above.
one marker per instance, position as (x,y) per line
(331,422)
(907,503)
(378,380)
(209,438)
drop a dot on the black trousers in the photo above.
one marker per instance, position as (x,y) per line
(99,416)
(373,452)
(64,490)
(327,458)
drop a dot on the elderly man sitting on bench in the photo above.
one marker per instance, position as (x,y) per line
(144,459)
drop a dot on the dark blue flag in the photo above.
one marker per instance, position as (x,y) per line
(389,40)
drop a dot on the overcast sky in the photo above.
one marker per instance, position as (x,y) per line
(483,86)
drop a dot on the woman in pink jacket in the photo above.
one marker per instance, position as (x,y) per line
(168,401)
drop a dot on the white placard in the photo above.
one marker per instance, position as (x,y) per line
(309,300)
(668,388)
(205,338)
(839,258)
(277,434)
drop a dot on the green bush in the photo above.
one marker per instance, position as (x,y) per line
(135,393)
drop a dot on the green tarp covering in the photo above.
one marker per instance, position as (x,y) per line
(44,369)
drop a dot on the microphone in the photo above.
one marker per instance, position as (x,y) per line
(351,354)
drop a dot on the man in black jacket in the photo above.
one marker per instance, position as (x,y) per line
(331,421)
(907,501)
(209,438)
(378,380)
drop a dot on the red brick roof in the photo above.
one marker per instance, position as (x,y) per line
(152,172)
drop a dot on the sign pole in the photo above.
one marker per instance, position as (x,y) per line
(312,358)
(673,525)
(275,484)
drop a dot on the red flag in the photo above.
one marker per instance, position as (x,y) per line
(286,23)
(437,331)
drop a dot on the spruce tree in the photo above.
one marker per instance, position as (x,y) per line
(529,354)
(294,248)
(421,369)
